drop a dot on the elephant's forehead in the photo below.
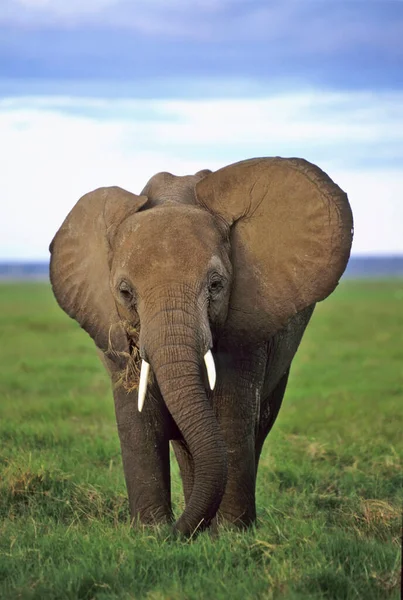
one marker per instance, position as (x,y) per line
(168,238)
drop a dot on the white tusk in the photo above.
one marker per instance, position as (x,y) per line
(145,369)
(210,366)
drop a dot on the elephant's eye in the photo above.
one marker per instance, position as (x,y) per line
(125,292)
(215,287)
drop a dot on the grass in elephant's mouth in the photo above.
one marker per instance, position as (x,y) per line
(329,486)
(129,376)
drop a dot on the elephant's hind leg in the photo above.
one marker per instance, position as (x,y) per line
(270,408)
(186,467)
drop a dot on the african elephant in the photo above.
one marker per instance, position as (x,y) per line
(226,264)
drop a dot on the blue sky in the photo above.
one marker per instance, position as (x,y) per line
(102,92)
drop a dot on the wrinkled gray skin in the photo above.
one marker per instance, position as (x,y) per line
(181,312)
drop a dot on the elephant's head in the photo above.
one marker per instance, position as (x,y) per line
(234,253)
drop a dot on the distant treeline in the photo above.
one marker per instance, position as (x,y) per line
(374,266)
(358,267)
(24,270)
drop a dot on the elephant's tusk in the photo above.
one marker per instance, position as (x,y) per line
(210,366)
(145,368)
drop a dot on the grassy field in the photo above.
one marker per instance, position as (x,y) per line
(329,486)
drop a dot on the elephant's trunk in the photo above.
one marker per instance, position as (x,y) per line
(175,347)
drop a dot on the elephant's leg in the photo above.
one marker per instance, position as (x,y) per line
(186,466)
(236,402)
(270,408)
(145,452)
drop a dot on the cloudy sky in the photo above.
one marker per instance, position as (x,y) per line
(108,92)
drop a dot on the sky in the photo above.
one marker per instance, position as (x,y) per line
(109,92)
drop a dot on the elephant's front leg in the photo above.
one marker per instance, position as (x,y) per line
(240,378)
(145,453)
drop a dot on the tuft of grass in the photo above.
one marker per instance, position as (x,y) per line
(128,377)
(330,481)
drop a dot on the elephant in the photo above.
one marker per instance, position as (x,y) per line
(197,293)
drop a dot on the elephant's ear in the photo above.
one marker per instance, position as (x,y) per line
(291,235)
(80,263)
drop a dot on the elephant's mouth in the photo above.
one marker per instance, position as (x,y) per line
(129,376)
(135,373)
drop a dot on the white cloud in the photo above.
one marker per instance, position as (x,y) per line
(306,117)
(54,150)
(378,211)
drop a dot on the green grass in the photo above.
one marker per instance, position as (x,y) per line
(329,486)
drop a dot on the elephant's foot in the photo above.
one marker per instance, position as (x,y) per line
(237,515)
(152,517)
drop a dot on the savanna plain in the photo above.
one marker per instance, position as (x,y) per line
(329,485)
